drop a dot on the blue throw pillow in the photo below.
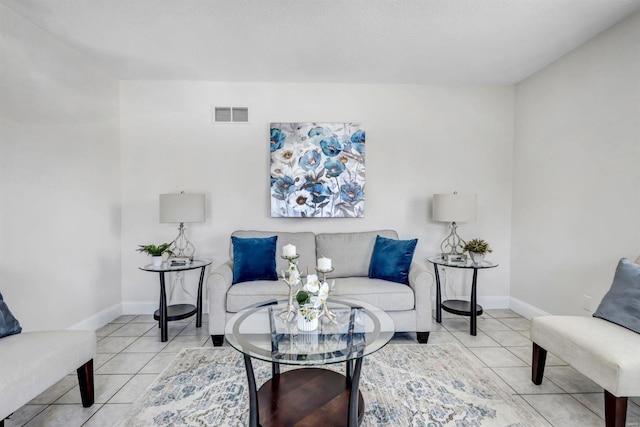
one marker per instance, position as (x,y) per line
(9,325)
(254,259)
(391,259)
(621,304)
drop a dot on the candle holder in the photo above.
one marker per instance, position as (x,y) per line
(323,273)
(324,311)
(289,312)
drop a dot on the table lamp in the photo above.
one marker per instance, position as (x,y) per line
(454,208)
(181,208)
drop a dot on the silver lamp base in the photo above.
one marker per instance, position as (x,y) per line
(452,246)
(181,246)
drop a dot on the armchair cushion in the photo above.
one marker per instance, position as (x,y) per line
(254,259)
(9,325)
(621,304)
(391,259)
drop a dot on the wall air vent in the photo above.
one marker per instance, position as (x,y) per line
(230,114)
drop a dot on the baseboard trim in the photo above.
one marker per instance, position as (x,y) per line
(526,310)
(149,307)
(107,315)
(98,320)
(487,302)
(139,307)
(493,303)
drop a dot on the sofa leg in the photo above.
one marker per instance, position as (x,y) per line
(85,381)
(217,340)
(423,337)
(615,410)
(537,366)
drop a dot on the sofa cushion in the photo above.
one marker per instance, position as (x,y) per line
(388,296)
(9,325)
(391,259)
(305,243)
(350,253)
(254,258)
(242,295)
(621,304)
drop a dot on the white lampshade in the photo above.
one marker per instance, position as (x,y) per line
(181,207)
(454,207)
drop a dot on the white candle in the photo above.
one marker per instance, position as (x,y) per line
(289,250)
(324,264)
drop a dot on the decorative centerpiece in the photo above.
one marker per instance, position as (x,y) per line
(477,249)
(291,278)
(313,298)
(309,299)
(307,318)
(324,267)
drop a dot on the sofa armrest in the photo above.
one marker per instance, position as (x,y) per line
(421,281)
(218,283)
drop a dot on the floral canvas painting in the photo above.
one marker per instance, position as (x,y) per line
(317,170)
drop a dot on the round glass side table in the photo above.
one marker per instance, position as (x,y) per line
(460,307)
(178,311)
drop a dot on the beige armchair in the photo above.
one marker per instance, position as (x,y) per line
(605,352)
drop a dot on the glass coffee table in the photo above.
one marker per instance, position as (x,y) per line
(310,396)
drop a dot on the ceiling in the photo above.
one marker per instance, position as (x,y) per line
(329,41)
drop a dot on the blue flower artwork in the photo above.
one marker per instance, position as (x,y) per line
(317,170)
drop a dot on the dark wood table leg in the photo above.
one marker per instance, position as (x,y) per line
(199,300)
(348,373)
(253,393)
(438,295)
(474,307)
(354,394)
(164,332)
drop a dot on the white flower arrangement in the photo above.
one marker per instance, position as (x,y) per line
(293,274)
(312,297)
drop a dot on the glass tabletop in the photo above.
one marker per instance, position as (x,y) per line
(359,330)
(165,266)
(461,264)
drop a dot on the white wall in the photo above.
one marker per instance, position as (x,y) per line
(576,184)
(59,181)
(420,140)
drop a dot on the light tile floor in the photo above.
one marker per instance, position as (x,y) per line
(130,356)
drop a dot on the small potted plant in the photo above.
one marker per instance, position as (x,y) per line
(477,248)
(156,252)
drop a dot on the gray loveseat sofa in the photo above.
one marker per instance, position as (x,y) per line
(408,306)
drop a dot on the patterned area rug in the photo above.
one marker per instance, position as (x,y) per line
(402,385)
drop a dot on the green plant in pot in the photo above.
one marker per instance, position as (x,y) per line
(477,249)
(156,252)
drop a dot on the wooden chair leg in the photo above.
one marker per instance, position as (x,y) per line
(85,381)
(537,365)
(615,410)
